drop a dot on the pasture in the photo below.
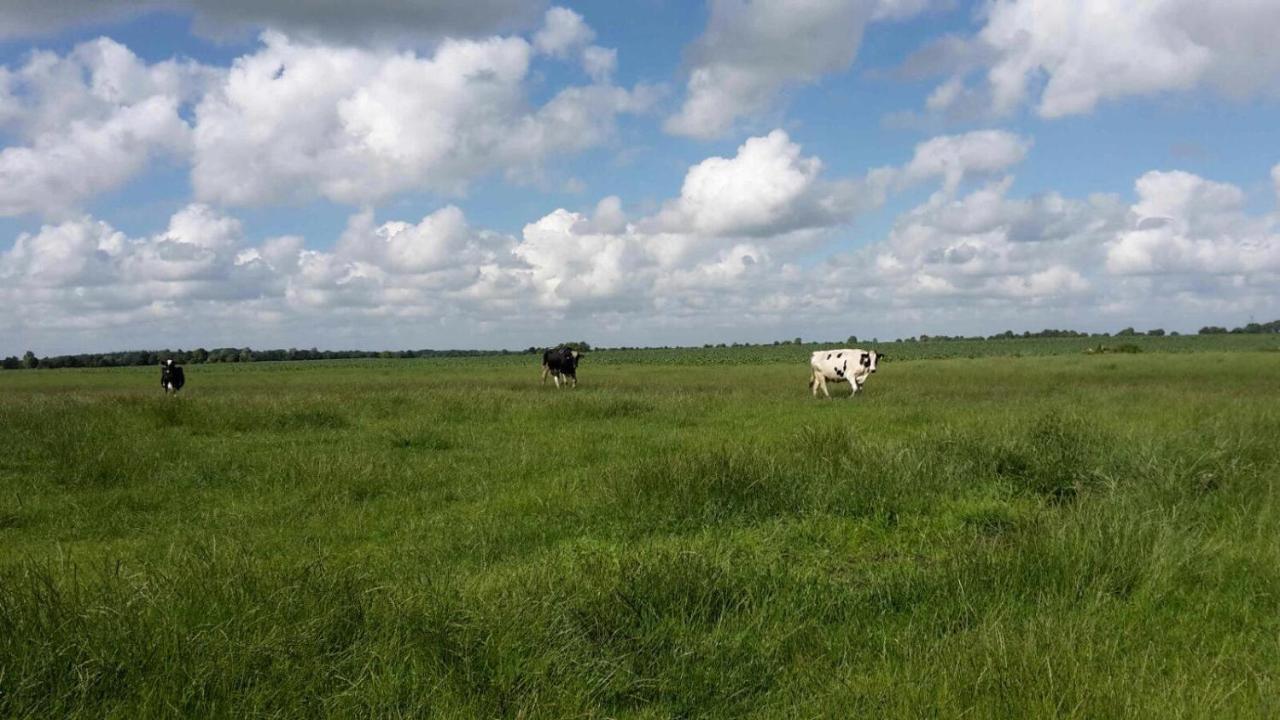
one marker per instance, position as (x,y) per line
(686,534)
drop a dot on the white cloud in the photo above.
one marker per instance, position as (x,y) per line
(733,215)
(985,246)
(562,32)
(599,63)
(761,190)
(753,49)
(83,275)
(1066,57)
(754,243)
(1185,224)
(295,120)
(89,121)
(1275,180)
(955,157)
(440,241)
(338,20)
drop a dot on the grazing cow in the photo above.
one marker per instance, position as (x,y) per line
(560,362)
(844,365)
(171,377)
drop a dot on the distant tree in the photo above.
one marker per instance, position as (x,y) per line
(1157,332)
(797,341)
(11,363)
(30,361)
(1127,332)
(853,340)
(1212,330)
(1174,333)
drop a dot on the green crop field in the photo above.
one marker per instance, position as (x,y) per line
(992,529)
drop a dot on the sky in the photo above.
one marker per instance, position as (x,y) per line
(512,173)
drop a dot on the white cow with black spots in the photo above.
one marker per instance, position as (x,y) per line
(853,366)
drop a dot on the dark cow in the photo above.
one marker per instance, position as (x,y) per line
(560,362)
(171,377)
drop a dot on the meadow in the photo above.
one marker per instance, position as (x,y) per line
(992,529)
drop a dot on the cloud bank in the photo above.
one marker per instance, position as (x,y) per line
(733,249)
(1064,58)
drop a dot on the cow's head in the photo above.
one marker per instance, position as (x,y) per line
(869,359)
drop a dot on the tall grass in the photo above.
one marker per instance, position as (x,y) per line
(1074,536)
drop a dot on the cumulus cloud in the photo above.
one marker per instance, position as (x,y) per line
(955,157)
(356,126)
(761,239)
(1186,248)
(297,119)
(986,246)
(768,188)
(82,274)
(753,49)
(562,32)
(336,20)
(1186,224)
(733,218)
(1066,57)
(702,248)
(88,121)
(599,62)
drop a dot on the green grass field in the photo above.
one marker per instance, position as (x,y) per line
(687,534)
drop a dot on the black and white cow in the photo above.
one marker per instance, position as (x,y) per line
(844,365)
(560,362)
(171,377)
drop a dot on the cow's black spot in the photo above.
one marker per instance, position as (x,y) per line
(839,355)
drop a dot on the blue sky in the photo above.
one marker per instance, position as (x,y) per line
(510,173)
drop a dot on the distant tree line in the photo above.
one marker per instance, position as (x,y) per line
(579,345)
(1252,328)
(126,358)
(221,355)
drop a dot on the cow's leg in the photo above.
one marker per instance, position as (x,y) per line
(575,379)
(546,370)
(822,383)
(813,382)
(556,376)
